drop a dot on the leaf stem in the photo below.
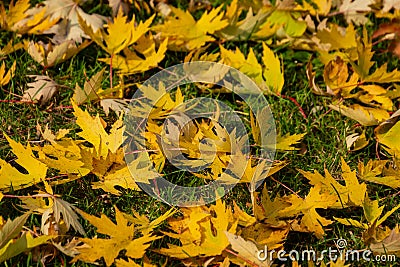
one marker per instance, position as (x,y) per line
(111,70)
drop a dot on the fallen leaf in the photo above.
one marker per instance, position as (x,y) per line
(93,131)
(11,229)
(116,5)
(201,231)
(247,250)
(364,115)
(25,243)
(5,77)
(48,55)
(119,34)
(90,89)
(356,141)
(139,57)
(244,28)
(16,12)
(41,90)
(390,139)
(389,4)
(69,29)
(185,33)
(355,10)
(336,37)
(117,105)
(64,209)
(390,245)
(11,177)
(121,237)
(350,194)
(390,31)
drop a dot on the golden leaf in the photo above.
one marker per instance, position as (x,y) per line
(119,35)
(132,63)
(364,115)
(350,194)
(185,33)
(243,29)
(201,231)
(15,13)
(48,55)
(11,177)
(5,77)
(94,133)
(122,237)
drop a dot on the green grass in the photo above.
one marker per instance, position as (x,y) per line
(324,142)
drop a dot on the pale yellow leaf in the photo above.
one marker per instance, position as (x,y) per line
(246,250)
(41,90)
(5,77)
(10,177)
(364,115)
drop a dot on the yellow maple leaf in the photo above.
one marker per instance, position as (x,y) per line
(120,33)
(131,63)
(242,29)
(320,7)
(144,225)
(337,78)
(201,231)
(91,89)
(390,139)
(11,177)
(350,194)
(22,244)
(64,154)
(373,233)
(273,72)
(16,12)
(246,170)
(48,55)
(185,33)
(269,75)
(94,132)
(122,237)
(5,77)
(365,115)
(281,142)
(37,22)
(334,38)
(265,234)
(340,83)
(381,75)
(311,221)
(248,66)
(287,20)
(276,212)
(287,142)
(10,47)
(113,171)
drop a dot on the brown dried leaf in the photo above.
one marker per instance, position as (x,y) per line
(41,90)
